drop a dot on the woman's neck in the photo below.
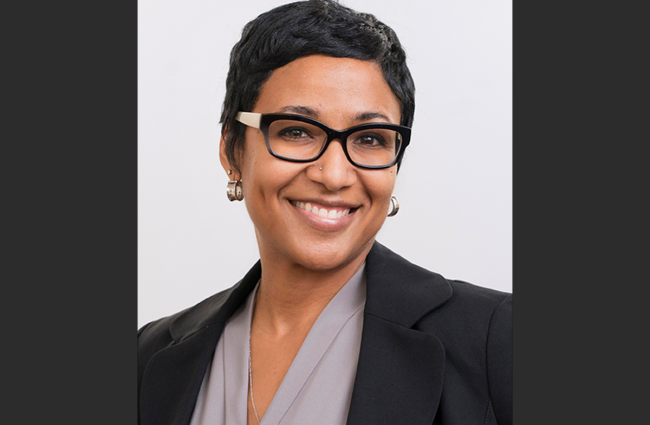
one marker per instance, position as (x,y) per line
(291,297)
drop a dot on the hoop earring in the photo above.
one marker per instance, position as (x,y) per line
(234,190)
(395,206)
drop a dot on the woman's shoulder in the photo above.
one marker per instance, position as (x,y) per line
(441,305)
(164,332)
(157,330)
(471,308)
(414,285)
(469,295)
(154,337)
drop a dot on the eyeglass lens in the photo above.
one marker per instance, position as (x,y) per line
(303,141)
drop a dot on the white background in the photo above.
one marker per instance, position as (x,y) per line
(454,187)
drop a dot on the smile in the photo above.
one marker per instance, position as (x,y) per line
(331,212)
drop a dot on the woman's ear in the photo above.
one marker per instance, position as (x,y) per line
(224,160)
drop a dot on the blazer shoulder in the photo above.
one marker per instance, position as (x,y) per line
(476,301)
(472,308)
(161,333)
(167,331)
(467,319)
(468,292)
(152,338)
(156,334)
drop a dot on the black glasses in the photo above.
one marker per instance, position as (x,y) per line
(300,139)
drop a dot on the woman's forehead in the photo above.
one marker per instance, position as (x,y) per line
(319,85)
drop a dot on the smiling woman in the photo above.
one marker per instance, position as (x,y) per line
(329,326)
(294,241)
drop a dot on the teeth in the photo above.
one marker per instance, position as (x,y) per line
(322,211)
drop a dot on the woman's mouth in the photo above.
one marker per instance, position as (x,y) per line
(322,211)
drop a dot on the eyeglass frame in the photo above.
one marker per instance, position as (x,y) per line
(263,121)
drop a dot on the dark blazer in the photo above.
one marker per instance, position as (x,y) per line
(433,351)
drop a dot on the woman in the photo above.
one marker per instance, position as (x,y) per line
(329,327)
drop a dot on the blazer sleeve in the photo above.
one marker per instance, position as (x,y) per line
(499,361)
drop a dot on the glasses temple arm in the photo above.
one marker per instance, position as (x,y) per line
(251,119)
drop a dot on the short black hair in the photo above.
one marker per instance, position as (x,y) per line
(304,28)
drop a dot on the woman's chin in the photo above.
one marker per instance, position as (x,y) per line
(329,258)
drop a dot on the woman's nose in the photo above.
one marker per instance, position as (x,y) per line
(333,169)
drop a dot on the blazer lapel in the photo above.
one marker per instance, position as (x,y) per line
(173,376)
(400,370)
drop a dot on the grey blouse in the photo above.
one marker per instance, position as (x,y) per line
(317,387)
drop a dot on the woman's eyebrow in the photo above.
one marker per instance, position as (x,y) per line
(300,110)
(368,116)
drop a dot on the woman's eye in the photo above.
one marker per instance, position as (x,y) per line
(294,133)
(370,140)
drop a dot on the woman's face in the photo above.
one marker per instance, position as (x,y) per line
(341,93)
